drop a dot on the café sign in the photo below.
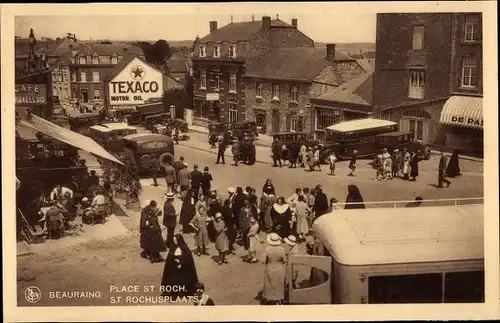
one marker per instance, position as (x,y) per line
(471,122)
(30,94)
(135,84)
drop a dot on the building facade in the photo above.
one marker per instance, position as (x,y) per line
(220,60)
(91,63)
(281,84)
(61,78)
(428,76)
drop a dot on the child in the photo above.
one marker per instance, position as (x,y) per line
(199,223)
(202,299)
(221,240)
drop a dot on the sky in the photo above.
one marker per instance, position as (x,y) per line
(336,27)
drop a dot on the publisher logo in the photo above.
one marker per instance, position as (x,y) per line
(33,294)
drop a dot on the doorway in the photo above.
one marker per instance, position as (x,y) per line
(85,95)
(417,121)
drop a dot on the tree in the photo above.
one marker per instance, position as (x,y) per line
(156,53)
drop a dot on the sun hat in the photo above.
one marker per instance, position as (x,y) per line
(273,239)
(170,195)
(85,199)
(290,240)
(231,190)
(218,215)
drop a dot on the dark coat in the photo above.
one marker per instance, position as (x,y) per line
(320,204)
(169,215)
(354,199)
(414,165)
(276,149)
(195,176)
(187,213)
(281,224)
(153,239)
(235,149)
(453,168)
(227,214)
(143,226)
(206,179)
(186,275)
(268,190)
(239,201)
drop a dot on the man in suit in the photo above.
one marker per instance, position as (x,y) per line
(195,177)
(169,218)
(442,169)
(221,151)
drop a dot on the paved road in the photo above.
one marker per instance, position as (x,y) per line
(97,265)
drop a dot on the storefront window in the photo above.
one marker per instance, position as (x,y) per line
(325,119)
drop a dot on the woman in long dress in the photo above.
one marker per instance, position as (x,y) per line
(153,238)
(291,242)
(302,211)
(253,240)
(406,164)
(303,155)
(275,270)
(354,199)
(282,218)
(179,270)
(453,168)
(387,164)
(221,240)
(414,160)
(188,211)
(268,188)
(268,202)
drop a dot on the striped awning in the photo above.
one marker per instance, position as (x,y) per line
(464,111)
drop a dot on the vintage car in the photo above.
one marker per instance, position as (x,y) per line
(109,135)
(294,140)
(239,130)
(151,120)
(82,123)
(142,111)
(139,150)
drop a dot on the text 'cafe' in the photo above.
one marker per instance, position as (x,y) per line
(132,83)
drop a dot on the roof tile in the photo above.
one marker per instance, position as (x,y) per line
(240,31)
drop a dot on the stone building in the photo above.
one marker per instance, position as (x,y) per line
(220,59)
(61,78)
(428,77)
(89,65)
(281,83)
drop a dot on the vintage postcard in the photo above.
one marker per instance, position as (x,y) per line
(250,161)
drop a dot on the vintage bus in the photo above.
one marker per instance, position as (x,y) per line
(432,254)
(109,135)
(364,136)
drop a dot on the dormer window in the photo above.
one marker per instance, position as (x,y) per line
(232,51)
(82,60)
(203,51)
(217,50)
(95,59)
(89,59)
(114,59)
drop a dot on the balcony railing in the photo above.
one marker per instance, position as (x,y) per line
(424,203)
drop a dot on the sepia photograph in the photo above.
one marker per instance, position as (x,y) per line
(260,155)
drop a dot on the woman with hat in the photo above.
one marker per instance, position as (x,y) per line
(387,162)
(253,240)
(221,240)
(275,270)
(154,240)
(291,242)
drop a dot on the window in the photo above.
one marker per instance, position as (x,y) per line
(217,81)
(89,59)
(469,70)
(203,80)
(232,51)
(412,126)
(65,78)
(325,119)
(417,84)
(455,287)
(233,112)
(217,50)
(293,123)
(114,60)
(83,77)
(95,59)
(471,28)
(95,77)
(232,82)
(276,91)
(259,90)
(82,60)
(203,51)
(294,93)
(97,94)
(418,37)
(73,77)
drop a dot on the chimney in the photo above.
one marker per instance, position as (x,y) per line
(266,22)
(330,52)
(213,26)
(294,23)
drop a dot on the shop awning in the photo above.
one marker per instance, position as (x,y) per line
(65,135)
(464,111)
